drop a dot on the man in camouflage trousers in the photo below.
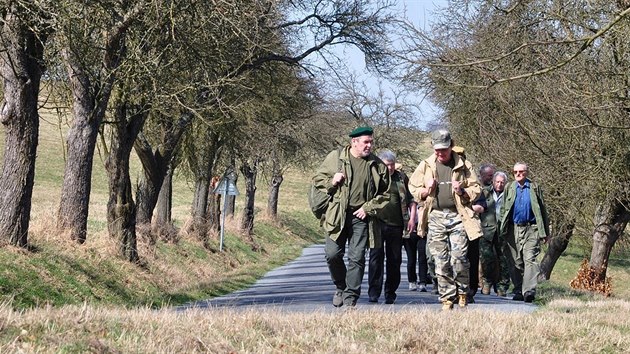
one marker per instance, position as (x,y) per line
(447,184)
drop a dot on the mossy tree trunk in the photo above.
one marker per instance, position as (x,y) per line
(121,208)
(558,243)
(611,219)
(274,193)
(91,84)
(164,204)
(249,171)
(155,164)
(21,69)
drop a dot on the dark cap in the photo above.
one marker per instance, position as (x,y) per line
(361,131)
(441,139)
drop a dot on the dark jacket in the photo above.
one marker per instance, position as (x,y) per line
(489,216)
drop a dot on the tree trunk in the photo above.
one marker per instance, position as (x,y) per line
(165,201)
(230,206)
(231,199)
(214,207)
(204,173)
(21,71)
(155,164)
(199,225)
(90,103)
(611,219)
(249,173)
(274,192)
(557,245)
(121,209)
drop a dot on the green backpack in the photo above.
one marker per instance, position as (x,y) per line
(318,200)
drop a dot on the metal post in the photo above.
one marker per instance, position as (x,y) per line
(225,194)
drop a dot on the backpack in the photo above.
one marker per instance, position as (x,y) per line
(318,200)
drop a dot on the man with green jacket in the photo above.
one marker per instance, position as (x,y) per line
(524,222)
(358,182)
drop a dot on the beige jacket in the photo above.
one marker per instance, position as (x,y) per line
(462,172)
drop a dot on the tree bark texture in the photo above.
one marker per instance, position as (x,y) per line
(214,207)
(558,243)
(204,173)
(89,106)
(121,208)
(249,173)
(274,193)
(165,201)
(611,219)
(155,165)
(198,226)
(21,72)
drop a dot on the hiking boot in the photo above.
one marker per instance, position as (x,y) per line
(422,287)
(463,300)
(518,297)
(470,299)
(529,296)
(338,298)
(350,305)
(447,305)
(413,286)
(501,293)
(485,289)
(373,299)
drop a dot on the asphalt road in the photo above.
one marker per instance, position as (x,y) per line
(304,285)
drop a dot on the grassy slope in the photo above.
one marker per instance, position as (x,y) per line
(57,271)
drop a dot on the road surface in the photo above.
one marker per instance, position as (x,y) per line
(304,285)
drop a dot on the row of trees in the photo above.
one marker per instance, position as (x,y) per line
(544,82)
(189,84)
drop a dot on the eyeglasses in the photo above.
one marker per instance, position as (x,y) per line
(519,172)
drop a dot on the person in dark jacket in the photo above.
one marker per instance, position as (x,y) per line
(397,218)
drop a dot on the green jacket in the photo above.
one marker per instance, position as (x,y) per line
(378,195)
(489,216)
(398,185)
(538,208)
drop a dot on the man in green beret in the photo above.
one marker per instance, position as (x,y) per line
(358,181)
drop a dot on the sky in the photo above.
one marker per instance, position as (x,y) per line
(419,13)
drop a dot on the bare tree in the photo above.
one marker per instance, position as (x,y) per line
(91,58)
(22,41)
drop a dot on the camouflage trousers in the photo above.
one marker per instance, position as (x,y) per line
(448,245)
(494,262)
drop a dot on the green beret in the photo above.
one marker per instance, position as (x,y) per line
(361,131)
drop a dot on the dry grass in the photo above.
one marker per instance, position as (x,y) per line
(563,326)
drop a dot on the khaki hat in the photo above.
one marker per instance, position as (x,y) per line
(441,139)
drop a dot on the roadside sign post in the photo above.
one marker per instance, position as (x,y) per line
(227,186)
